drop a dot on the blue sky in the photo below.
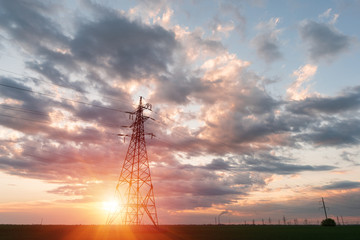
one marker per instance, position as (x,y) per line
(256,106)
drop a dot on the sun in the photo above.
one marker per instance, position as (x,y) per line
(110,206)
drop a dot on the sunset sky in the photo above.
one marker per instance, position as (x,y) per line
(256,107)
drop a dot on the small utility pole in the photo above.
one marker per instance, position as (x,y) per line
(323,202)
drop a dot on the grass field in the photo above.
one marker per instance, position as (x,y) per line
(177,232)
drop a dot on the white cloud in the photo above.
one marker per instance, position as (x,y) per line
(328,15)
(269,25)
(297,90)
(165,18)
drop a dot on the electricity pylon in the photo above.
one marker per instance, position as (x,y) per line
(134,190)
(323,203)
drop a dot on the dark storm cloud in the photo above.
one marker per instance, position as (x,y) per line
(349,100)
(193,202)
(258,103)
(177,88)
(40,159)
(102,116)
(255,101)
(350,157)
(257,118)
(114,95)
(59,57)
(325,42)
(267,47)
(333,130)
(30,115)
(197,186)
(25,22)
(218,164)
(341,185)
(285,168)
(48,70)
(119,46)
(271,164)
(127,48)
(17,91)
(212,189)
(335,133)
(240,130)
(14,163)
(245,131)
(30,26)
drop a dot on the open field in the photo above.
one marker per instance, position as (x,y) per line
(177,232)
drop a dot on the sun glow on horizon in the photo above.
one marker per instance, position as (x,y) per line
(110,206)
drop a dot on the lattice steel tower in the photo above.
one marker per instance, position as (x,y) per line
(134,191)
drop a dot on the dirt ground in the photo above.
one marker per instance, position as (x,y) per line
(176,232)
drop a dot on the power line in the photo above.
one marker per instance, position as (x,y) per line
(62,86)
(31,120)
(4,70)
(175,131)
(67,99)
(25,110)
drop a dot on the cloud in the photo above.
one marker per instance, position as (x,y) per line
(271,164)
(221,28)
(218,164)
(40,159)
(334,123)
(328,15)
(234,10)
(297,91)
(198,185)
(350,157)
(283,168)
(267,47)
(336,133)
(266,42)
(14,19)
(49,71)
(141,52)
(324,41)
(339,185)
(176,88)
(349,100)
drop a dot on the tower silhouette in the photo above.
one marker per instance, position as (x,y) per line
(134,191)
